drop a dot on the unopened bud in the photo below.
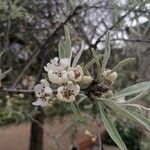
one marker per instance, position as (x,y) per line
(86,80)
(110,77)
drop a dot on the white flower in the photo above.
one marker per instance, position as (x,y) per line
(75,73)
(57,64)
(68,92)
(58,76)
(43,93)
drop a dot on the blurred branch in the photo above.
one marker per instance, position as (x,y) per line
(128,40)
(17,91)
(110,28)
(42,49)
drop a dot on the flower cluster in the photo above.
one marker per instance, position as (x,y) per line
(62,84)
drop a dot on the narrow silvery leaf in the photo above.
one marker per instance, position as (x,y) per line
(95,55)
(137,97)
(122,64)
(76,59)
(124,113)
(68,52)
(106,53)
(4,74)
(111,129)
(61,51)
(143,120)
(134,89)
(76,111)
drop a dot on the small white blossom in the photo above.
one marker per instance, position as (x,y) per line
(68,92)
(43,93)
(57,64)
(58,76)
(75,73)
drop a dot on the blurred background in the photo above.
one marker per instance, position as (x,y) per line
(30,31)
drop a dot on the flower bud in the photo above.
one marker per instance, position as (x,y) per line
(87,80)
(110,77)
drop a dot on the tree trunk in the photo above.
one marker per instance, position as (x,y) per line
(36,137)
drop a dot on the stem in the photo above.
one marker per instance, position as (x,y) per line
(98,134)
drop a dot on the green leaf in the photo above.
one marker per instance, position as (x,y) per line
(76,59)
(124,113)
(106,53)
(76,111)
(134,89)
(4,74)
(142,119)
(96,59)
(68,52)
(111,129)
(61,51)
(95,109)
(122,64)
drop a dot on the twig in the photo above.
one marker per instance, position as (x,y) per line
(17,91)
(110,28)
(98,134)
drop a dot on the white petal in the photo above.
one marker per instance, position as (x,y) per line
(37,103)
(39,88)
(45,82)
(71,98)
(48,90)
(76,89)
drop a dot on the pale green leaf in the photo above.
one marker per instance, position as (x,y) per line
(121,111)
(61,51)
(134,89)
(122,64)
(106,53)
(142,119)
(76,111)
(76,59)
(68,52)
(111,129)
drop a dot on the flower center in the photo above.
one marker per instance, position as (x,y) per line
(67,93)
(59,74)
(77,74)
